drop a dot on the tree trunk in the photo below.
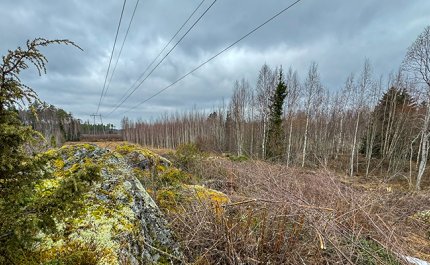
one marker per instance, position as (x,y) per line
(423,162)
(305,141)
(351,170)
(289,141)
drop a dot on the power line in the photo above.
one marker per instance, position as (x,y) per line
(165,56)
(111,55)
(213,57)
(162,50)
(122,46)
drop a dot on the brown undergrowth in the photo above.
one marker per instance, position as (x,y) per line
(280,215)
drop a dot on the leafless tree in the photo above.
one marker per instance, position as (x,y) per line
(293,86)
(264,90)
(417,62)
(312,88)
(238,107)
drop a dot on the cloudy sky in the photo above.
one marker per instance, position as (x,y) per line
(337,34)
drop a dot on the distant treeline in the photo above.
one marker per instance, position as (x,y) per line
(58,126)
(372,126)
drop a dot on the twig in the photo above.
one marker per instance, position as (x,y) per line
(282,202)
(5,235)
(164,253)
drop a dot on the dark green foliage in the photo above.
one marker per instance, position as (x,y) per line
(87,128)
(275,133)
(20,168)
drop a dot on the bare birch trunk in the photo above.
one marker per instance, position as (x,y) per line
(351,169)
(305,141)
(289,142)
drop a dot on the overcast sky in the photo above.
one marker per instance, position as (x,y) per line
(337,34)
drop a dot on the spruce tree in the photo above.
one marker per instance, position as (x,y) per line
(276,132)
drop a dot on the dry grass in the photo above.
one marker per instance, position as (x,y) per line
(280,215)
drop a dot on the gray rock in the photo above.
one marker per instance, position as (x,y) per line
(119,222)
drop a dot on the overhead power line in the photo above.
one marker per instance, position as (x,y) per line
(213,57)
(111,55)
(164,57)
(162,50)
(122,47)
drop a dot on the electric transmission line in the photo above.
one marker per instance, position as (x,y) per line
(164,57)
(212,58)
(122,47)
(162,50)
(111,55)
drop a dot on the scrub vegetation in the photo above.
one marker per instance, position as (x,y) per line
(284,174)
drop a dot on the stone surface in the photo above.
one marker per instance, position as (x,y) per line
(102,213)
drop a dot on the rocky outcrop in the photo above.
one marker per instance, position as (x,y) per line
(101,212)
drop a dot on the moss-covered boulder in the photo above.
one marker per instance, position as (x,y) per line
(99,211)
(173,189)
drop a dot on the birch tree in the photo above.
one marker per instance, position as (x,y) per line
(238,108)
(264,90)
(312,87)
(417,62)
(293,85)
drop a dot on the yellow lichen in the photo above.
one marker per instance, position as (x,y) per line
(168,199)
(46,187)
(161,168)
(88,233)
(125,149)
(204,193)
(59,163)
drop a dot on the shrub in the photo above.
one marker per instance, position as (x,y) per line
(186,156)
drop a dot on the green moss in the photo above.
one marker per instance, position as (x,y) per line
(369,252)
(173,177)
(83,226)
(168,199)
(82,211)
(240,158)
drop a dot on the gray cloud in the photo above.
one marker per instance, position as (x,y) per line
(337,34)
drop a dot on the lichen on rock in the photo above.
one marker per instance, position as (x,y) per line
(101,211)
(173,189)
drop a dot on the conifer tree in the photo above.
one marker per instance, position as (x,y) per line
(19,167)
(275,133)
